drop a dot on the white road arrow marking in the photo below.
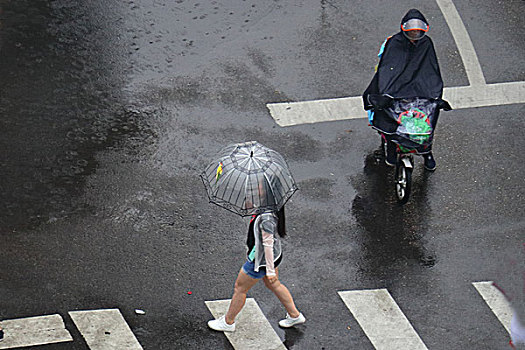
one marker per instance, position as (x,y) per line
(382,320)
(34,331)
(252,329)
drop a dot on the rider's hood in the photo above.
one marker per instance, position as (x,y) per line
(413,14)
(410,69)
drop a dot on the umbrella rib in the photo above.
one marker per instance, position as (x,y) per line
(270,187)
(283,183)
(224,178)
(245,189)
(288,184)
(288,181)
(234,185)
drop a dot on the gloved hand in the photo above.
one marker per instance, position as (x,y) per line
(444,105)
(380,101)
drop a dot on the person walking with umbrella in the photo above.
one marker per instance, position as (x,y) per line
(250,179)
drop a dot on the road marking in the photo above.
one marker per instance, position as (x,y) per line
(105,329)
(305,112)
(32,331)
(382,320)
(252,329)
(485,96)
(496,301)
(463,42)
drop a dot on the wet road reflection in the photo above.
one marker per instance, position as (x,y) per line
(393,235)
(63,75)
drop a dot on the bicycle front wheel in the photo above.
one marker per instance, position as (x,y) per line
(403,183)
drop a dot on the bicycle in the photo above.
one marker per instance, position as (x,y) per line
(414,120)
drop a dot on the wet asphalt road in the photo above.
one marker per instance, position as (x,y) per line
(110,109)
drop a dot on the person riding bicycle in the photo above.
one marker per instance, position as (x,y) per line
(407,68)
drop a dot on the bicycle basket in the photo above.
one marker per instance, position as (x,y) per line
(414,118)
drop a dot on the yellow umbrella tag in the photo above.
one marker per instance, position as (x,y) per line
(219,172)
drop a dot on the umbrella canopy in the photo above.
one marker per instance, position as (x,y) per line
(248,178)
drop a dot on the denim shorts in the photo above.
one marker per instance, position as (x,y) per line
(248,269)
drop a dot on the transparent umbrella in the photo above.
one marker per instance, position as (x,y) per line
(248,178)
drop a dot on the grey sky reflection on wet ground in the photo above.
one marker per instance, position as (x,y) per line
(61,104)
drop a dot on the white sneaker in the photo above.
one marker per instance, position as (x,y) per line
(290,321)
(221,325)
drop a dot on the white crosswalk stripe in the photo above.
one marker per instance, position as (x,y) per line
(32,331)
(317,111)
(382,320)
(102,330)
(252,329)
(105,329)
(377,313)
(375,310)
(496,301)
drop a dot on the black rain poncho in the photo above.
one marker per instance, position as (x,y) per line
(406,69)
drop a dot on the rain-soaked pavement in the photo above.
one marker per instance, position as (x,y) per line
(110,109)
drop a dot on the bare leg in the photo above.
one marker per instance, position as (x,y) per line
(242,285)
(283,294)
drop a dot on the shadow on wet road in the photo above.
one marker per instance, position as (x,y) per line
(292,336)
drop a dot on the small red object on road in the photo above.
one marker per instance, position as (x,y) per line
(189,293)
